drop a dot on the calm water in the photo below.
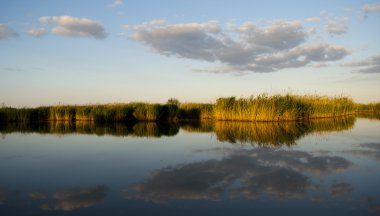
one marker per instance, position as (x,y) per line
(325,167)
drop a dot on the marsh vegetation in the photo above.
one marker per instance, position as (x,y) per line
(262,108)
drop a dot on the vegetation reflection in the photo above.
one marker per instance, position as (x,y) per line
(260,133)
(141,129)
(269,133)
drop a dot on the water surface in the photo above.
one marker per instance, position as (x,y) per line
(324,167)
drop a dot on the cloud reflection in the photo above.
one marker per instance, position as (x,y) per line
(4,196)
(75,198)
(371,150)
(340,189)
(250,173)
(38,195)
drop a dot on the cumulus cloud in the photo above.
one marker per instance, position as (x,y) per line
(7,32)
(246,47)
(371,8)
(281,174)
(312,19)
(68,26)
(37,32)
(369,65)
(336,27)
(75,198)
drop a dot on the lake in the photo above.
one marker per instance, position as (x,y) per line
(321,167)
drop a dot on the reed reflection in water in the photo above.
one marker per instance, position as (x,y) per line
(260,133)
(195,170)
(270,133)
(368,115)
(140,129)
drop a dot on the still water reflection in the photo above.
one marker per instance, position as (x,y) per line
(328,167)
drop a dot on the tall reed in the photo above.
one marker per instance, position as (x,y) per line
(281,108)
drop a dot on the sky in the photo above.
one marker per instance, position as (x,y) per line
(107,51)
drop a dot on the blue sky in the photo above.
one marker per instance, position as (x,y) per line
(86,51)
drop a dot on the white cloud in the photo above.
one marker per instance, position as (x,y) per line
(68,26)
(117,3)
(312,19)
(246,47)
(372,8)
(369,65)
(335,27)
(7,32)
(37,32)
(144,25)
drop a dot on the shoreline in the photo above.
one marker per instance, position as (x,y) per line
(261,108)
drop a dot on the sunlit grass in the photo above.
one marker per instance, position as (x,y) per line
(281,108)
(259,108)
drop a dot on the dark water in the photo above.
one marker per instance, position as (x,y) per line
(325,167)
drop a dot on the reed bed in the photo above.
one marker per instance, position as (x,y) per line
(102,113)
(260,108)
(281,108)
